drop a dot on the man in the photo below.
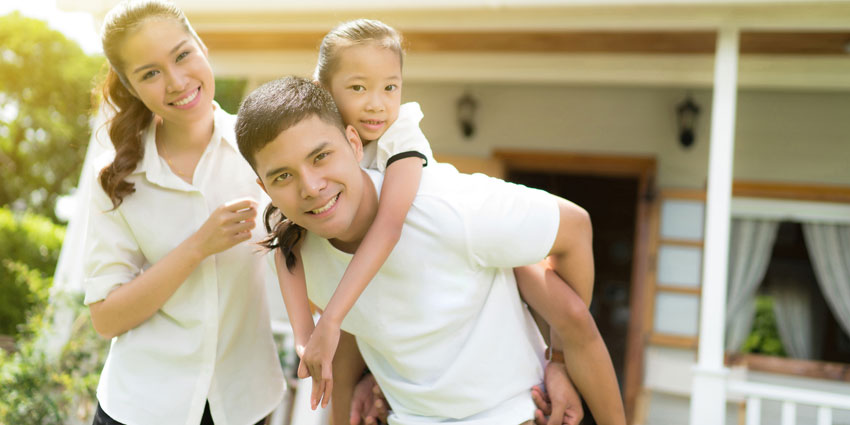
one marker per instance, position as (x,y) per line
(441,327)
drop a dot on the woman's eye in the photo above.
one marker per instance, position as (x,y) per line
(182,56)
(322,156)
(149,74)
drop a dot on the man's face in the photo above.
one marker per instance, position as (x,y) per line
(312,173)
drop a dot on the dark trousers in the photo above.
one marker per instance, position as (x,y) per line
(101,418)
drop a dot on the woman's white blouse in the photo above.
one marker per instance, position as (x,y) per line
(212,339)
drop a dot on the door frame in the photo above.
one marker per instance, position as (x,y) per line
(643,168)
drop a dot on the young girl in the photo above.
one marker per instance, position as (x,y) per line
(360,64)
(169,277)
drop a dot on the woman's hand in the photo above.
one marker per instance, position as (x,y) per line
(227,226)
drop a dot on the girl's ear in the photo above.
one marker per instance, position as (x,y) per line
(355,142)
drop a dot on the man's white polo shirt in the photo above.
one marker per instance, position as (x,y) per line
(212,339)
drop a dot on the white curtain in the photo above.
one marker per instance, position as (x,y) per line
(792,286)
(750,248)
(68,277)
(829,251)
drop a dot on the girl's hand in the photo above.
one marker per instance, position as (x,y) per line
(316,360)
(559,403)
(227,226)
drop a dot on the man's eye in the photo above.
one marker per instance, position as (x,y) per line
(282,177)
(321,156)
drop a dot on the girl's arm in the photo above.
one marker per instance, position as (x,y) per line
(293,288)
(401,182)
(134,302)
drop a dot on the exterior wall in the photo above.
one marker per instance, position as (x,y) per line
(781,136)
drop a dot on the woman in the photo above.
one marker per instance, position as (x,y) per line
(170,274)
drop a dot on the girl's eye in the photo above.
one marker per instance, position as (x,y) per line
(391,87)
(182,56)
(358,88)
(149,74)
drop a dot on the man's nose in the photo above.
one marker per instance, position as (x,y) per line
(312,185)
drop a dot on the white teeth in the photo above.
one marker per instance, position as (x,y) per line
(188,99)
(326,207)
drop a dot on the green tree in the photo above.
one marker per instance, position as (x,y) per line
(45,103)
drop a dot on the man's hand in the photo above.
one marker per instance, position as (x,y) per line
(368,403)
(559,403)
(316,360)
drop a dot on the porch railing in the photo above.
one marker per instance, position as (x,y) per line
(790,398)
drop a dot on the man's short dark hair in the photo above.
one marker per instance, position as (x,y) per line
(277,106)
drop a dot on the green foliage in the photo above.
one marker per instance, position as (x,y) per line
(45,101)
(229,93)
(36,388)
(29,249)
(40,390)
(764,338)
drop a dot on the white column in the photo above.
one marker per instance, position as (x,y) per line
(708,397)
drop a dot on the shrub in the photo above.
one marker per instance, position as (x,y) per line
(29,246)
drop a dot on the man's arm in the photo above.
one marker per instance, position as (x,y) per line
(348,368)
(587,359)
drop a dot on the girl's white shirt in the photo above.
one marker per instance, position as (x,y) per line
(402,136)
(212,339)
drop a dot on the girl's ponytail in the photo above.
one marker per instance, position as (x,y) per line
(283,234)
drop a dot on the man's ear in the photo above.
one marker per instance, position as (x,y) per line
(260,182)
(355,142)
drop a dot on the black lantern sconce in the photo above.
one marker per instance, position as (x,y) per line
(466,107)
(686,115)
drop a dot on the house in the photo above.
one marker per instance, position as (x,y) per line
(694,208)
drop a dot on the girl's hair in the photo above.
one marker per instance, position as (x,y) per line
(354,33)
(131,117)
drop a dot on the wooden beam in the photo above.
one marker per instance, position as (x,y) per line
(800,192)
(572,163)
(576,42)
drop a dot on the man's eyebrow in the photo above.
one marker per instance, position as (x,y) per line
(312,153)
(316,151)
(150,65)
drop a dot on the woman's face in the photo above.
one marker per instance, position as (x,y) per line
(168,71)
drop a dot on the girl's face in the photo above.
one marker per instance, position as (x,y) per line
(366,87)
(168,71)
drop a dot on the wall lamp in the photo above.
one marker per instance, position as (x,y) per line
(466,108)
(686,114)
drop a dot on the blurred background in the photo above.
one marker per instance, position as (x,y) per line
(633,109)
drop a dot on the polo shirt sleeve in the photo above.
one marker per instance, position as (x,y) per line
(509,225)
(403,138)
(112,255)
